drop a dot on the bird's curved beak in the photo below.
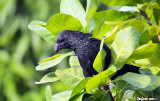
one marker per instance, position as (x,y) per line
(56,47)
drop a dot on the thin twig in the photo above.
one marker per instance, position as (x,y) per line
(145,16)
(148,19)
(107,89)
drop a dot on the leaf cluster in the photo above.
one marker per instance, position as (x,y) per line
(132,37)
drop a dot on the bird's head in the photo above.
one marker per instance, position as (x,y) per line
(68,39)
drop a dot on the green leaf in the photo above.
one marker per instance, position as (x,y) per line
(90,11)
(143,1)
(154,70)
(128,96)
(140,94)
(155,82)
(92,91)
(111,35)
(50,58)
(53,62)
(91,8)
(75,9)
(120,89)
(104,97)
(155,59)
(113,88)
(149,12)
(108,16)
(119,3)
(70,76)
(60,22)
(78,97)
(97,94)
(40,28)
(48,93)
(142,62)
(154,30)
(155,5)
(136,23)
(73,61)
(145,37)
(79,87)
(63,96)
(50,77)
(91,24)
(144,51)
(124,44)
(89,98)
(98,65)
(100,78)
(137,80)
(156,13)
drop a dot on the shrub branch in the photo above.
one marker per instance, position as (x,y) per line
(145,16)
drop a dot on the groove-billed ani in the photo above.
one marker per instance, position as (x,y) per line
(86,49)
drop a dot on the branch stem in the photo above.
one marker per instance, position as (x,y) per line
(106,88)
(145,16)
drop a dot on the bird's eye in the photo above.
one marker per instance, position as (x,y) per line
(61,40)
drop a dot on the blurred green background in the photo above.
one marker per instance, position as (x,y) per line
(21,49)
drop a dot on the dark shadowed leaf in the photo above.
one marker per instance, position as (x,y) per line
(145,37)
(104,97)
(120,89)
(77,97)
(156,13)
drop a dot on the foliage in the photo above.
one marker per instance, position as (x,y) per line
(132,37)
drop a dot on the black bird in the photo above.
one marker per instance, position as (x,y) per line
(86,49)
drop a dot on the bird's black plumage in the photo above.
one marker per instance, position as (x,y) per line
(86,49)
